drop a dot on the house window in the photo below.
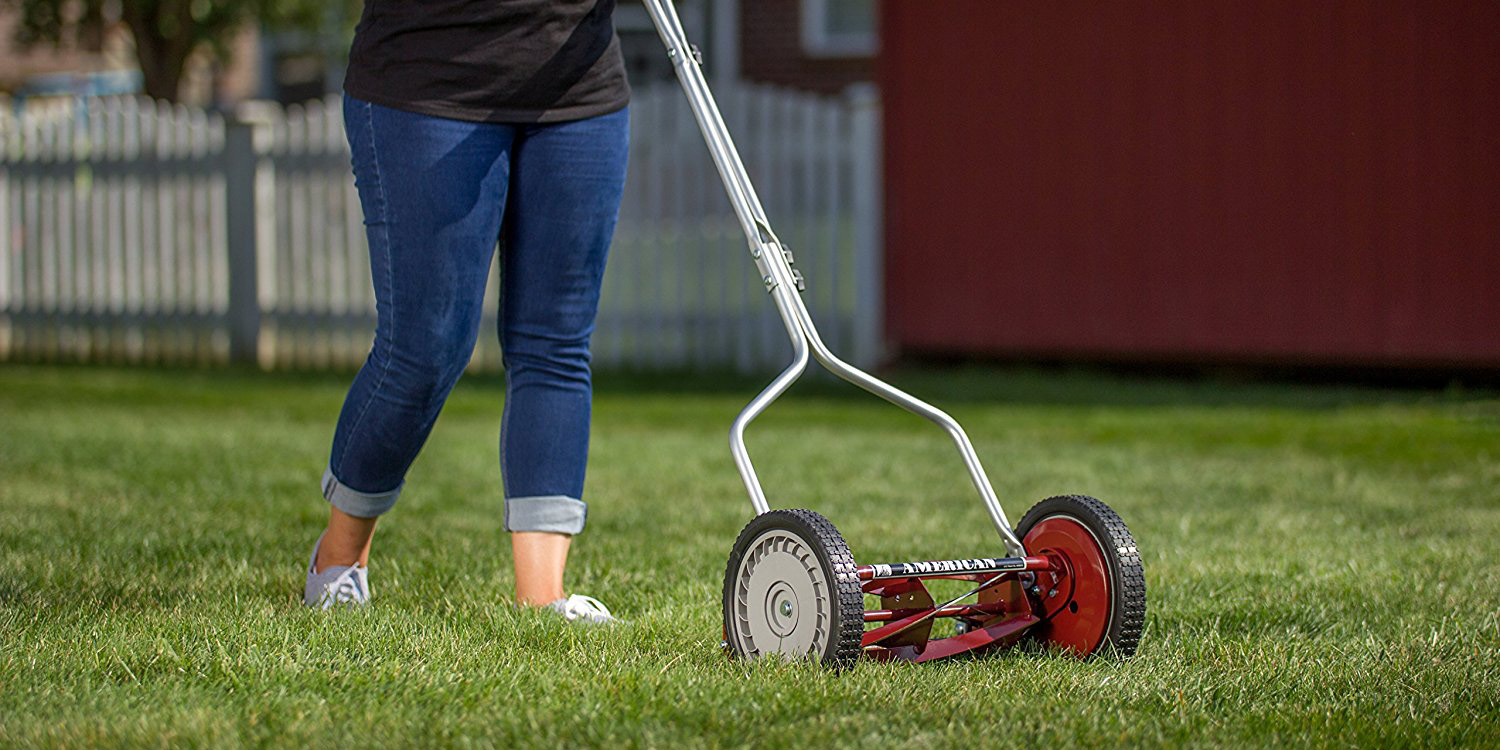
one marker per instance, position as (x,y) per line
(838,28)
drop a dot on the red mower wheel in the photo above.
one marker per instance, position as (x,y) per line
(1098,600)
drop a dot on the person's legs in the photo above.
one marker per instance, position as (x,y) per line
(433,191)
(565,190)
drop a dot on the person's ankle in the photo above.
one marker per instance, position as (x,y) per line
(328,560)
(536,599)
(345,541)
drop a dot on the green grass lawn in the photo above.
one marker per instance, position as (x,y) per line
(1323,567)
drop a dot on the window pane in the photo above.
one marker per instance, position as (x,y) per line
(852,17)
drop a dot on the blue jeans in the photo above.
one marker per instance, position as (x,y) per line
(433,192)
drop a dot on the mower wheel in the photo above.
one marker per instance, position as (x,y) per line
(790,588)
(1098,601)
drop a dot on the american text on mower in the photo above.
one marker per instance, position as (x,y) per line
(977,565)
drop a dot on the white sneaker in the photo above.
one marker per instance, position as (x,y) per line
(335,585)
(584,609)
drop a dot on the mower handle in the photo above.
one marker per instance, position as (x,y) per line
(785,285)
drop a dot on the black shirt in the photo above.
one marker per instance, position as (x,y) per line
(489,60)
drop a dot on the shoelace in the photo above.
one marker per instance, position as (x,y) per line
(345,588)
(580,606)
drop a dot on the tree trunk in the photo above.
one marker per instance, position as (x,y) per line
(161,78)
(161,59)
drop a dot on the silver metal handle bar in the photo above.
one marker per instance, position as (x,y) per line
(782,283)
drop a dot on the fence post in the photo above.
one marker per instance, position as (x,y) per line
(8,126)
(868,345)
(241,162)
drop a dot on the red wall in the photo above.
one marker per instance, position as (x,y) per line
(1276,180)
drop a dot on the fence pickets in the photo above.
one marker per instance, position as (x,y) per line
(134,231)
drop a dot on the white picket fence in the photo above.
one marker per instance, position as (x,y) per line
(141,232)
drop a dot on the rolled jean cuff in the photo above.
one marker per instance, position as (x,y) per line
(354,502)
(556,513)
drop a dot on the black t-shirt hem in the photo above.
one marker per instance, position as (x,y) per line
(496,115)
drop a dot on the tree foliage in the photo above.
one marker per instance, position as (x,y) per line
(167,33)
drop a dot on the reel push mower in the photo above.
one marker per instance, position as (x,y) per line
(1071,575)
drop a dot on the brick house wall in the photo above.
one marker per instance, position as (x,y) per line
(771,51)
(204,81)
(17,64)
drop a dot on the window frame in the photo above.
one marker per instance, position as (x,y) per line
(818,42)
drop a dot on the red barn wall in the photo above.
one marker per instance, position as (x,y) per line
(1274,180)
